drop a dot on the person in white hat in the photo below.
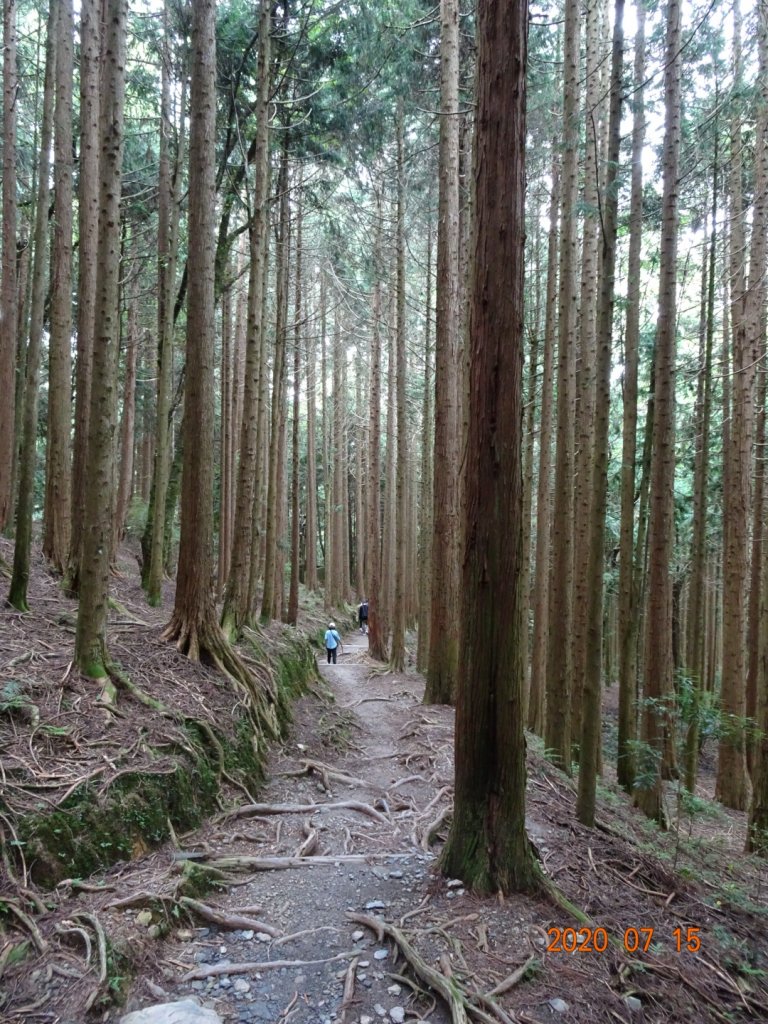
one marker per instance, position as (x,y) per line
(332,642)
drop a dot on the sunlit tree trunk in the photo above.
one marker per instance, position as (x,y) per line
(488,847)
(658,669)
(57,510)
(90,642)
(444,631)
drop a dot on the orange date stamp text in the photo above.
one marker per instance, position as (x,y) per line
(634,940)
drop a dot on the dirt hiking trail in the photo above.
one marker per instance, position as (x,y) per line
(322,903)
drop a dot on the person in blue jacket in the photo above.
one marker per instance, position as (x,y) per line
(332,642)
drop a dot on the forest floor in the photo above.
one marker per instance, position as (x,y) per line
(324,904)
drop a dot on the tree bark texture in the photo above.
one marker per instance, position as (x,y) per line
(8,315)
(444,627)
(659,667)
(488,847)
(90,641)
(57,520)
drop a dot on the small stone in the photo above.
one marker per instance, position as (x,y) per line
(242,986)
(455,883)
(395,874)
(450,895)
(198,986)
(633,1003)
(144,918)
(365,1019)
(379,1010)
(364,963)
(461,892)
(394,990)
(381,954)
(397,1015)
(263,937)
(374,905)
(154,931)
(559,1005)
(184,934)
(299,979)
(225,982)
(361,977)
(356,936)
(248,934)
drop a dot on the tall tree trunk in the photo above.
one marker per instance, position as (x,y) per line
(57,511)
(90,641)
(389,530)
(226,407)
(585,372)
(488,847)
(271,588)
(167,244)
(376,638)
(397,658)
(444,630)
(17,596)
(237,605)
(543,491)
(756,328)
(557,726)
(592,691)
(293,598)
(194,625)
(627,612)
(125,447)
(87,231)
(731,783)
(312,581)
(8,320)
(425,497)
(659,669)
(696,639)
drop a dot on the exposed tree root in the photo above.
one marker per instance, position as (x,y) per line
(284,863)
(351,805)
(215,970)
(462,1003)
(206,641)
(226,919)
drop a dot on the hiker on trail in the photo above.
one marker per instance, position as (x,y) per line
(332,642)
(362,615)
